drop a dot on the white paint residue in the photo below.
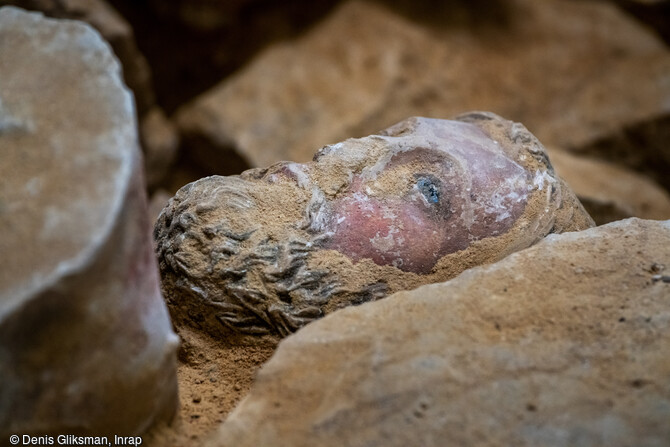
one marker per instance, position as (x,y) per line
(416,219)
(300,174)
(468,216)
(318,216)
(541,178)
(467,213)
(502,198)
(335,147)
(389,213)
(363,201)
(386,243)
(373,171)
(272,178)
(502,216)
(199,291)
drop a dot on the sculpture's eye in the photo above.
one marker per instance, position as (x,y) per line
(429,186)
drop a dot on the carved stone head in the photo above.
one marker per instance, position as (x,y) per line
(271,249)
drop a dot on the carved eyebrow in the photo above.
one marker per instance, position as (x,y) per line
(420,154)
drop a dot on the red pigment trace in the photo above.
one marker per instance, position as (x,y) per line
(464,188)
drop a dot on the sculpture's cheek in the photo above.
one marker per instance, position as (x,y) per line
(392,232)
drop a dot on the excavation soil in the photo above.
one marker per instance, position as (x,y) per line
(213,377)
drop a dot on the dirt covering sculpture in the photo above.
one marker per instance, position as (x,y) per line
(272,249)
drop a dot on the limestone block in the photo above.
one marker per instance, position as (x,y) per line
(113,28)
(86,344)
(158,136)
(565,343)
(554,65)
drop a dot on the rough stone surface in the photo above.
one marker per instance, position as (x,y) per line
(86,345)
(610,192)
(552,65)
(158,135)
(565,343)
(113,28)
(272,249)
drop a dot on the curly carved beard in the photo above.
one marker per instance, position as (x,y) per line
(285,293)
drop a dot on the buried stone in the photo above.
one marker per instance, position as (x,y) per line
(272,249)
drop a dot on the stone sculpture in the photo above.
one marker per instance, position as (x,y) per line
(272,249)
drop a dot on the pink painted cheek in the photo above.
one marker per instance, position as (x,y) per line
(392,232)
(423,236)
(357,224)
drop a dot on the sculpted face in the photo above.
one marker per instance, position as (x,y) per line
(430,198)
(269,250)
